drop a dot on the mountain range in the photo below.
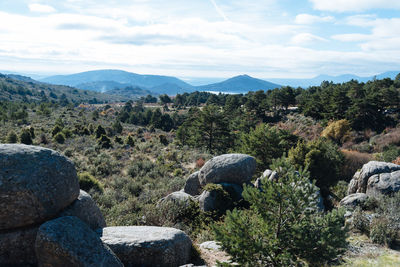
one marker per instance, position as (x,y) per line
(112,80)
(106,80)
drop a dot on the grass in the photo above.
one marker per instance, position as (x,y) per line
(387,259)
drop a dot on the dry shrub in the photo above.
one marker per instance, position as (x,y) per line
(300,125)
(200,162)
(354,160)
(396,161)
(391,137)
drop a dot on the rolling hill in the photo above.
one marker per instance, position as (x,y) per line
(104,78)
(21,88)
(239,84)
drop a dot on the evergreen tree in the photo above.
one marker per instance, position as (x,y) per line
(283,226)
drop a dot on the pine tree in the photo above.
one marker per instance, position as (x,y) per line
(283,226)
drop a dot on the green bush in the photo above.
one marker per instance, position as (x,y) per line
(87,182)
(266,143)
(26,137)
(11,138)
(382,232)
(104,141)
(283,225)
(360,222)
(323,159)
(59,138)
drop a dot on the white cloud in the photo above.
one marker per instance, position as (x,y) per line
(306,38)
(354,5)
(311,19)
(41,8)
(351,37)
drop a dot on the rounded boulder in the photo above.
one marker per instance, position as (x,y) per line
(67,241)
(86,210)
(35,184)
(228,168)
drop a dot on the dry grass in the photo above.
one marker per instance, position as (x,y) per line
(391,137)
(354,160)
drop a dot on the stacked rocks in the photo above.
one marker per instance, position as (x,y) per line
(230,171)
(46,220)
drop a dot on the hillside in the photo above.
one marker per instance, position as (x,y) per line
(119,76)
(130,92)
(21,88)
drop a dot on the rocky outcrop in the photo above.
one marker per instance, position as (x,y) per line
(17,247)
(383,183)
(67,241)
(375,170)
(86,210)
(35,184)
(192,185)
(353,200)
(228,168)
(148,245)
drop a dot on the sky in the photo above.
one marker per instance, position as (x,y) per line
(191,39)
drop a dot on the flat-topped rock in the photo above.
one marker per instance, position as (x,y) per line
(86,210)
(228,168)
(67,241)
(148,245)
(35,185)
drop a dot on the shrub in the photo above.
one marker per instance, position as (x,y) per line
(59,138)
(87,182)
(104,141)
(337,131)
(360,222)
(322,158)
(25,137)
(266,143)
(382,232)
(390,153)
(57,128)
(100,131)
(282,226)
(11,137)
(130,141)
(353,161)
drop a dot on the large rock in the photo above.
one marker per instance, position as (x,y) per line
(354,200)
(86,210)
(148,245)
(228,168)
(383,183)
(67,241)
(192,185)
(221,198)
(359,182)
(17,247)
(35,185)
